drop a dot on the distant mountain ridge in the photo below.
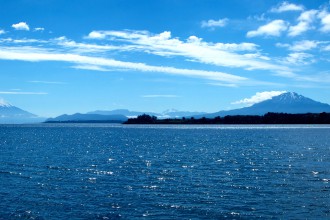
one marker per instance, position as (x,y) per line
(170,113)
(88,117)
(124,112)
(289,102)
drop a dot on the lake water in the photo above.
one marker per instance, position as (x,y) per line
(164,172)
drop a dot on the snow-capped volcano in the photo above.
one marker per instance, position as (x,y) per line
(289,102)
(12,114)
(292,97)
(3,103)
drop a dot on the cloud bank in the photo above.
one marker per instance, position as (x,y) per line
(258,97)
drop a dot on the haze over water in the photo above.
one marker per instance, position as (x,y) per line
(161,172)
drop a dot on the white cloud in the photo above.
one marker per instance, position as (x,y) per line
(326,48)
(245,46)
(282,45)
(286,6)
(96,35)
(308,16)
(305,20)
(256,55)
(37,55)
(236,47)
(257,17)
(258,97)
(91,67)
(223,85)
(299,58)
(87,48)
(21,26)
(298,29)
(301,45)
(304,45)
(2,31)
(212,23)
(325,21)
(274,28)
(160,96)
(39,29)
(193,49)
(24,40)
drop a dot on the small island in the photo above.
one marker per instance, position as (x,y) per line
(269,118)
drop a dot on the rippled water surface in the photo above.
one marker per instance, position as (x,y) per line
(164,172)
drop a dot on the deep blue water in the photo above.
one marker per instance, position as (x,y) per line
(164,172)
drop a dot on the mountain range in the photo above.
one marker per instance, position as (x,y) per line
(289,102)
(119,115)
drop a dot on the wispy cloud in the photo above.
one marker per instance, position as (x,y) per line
(86,48)
(2,31)
(193,49)
(298,29)
(21,26)
(286,6)
(160,96)
(236,47)
(325,20)
(303,45)
(258,97)
(215,23)
(243,56)
(273,28)
(46,82)
(326,48)
(305,21)
(22,41)
(299,58)
(22,93)
(39,29)
(223,84)
(91,67)
(31,54)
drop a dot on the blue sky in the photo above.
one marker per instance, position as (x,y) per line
(81,55)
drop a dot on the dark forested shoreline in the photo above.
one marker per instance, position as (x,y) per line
(269,118)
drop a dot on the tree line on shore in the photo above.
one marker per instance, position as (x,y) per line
(269,118)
